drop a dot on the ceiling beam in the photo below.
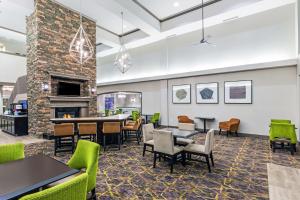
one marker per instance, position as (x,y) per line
(106,37)
(133,14)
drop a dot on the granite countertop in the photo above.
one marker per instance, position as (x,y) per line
(113,117)
(15,116)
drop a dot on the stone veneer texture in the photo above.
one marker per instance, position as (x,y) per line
(50,30)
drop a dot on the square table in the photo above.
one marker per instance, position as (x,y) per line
(20,177)
(177,133)
(204,119)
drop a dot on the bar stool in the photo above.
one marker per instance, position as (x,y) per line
(64,138)
(111,128)
(87,131)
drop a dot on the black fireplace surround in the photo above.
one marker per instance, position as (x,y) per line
(73,112)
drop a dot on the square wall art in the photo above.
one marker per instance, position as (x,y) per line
(238,92)
(207,93)
(181,94)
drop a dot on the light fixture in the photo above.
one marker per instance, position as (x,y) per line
(123,59)
(81,48)
(2,47)
(45,87)
(204,40)
(176,4)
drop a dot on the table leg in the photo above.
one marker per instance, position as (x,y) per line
(204,125)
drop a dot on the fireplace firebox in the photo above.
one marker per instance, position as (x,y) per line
(67,112)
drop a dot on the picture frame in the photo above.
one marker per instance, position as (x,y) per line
(181,94)
(238,92)
(207,93)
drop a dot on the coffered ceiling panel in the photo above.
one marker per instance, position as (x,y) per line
(165,8)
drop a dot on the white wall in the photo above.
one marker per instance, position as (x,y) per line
(265,37)
(274,96)
(11,67)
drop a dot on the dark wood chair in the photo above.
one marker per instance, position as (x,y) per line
(87,131)
(64,138)
(111,129)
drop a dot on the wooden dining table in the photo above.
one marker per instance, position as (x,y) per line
(99,120)
(24,176)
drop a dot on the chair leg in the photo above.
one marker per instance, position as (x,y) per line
(183,158)
(144,150)
(212,159)
(220,131)
(292,149)
(236,133)
(137,137)
(172,164)
(55,145)
(273,147)
(207,162)
(94,197)
(154,160)
(73,144)
(227,133)
(104,142)
(119,141)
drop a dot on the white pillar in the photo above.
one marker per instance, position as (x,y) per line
(1,100)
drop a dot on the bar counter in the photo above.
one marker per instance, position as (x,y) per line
(16,125)
(99,120)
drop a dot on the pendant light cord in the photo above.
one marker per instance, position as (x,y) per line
(203,34)
(80,12)
(121,38)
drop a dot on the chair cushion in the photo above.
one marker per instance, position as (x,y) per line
(194,148)
(150,142)
(184,141)
(177,149)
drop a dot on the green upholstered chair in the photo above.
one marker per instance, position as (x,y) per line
(155,119)
(285,121)
(86,158)
(75,189)
(135,115)
(283,133)
(10,152)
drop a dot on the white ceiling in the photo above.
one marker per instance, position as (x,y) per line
(144,26)
(165,8)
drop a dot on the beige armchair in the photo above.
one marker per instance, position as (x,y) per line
(205,150)
(185,127)
(164,146)
(148,137)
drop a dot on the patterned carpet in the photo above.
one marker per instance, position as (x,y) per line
(240,171)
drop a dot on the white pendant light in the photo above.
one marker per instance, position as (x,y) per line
(123,58)
(81,48)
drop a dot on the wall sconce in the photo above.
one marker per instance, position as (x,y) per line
(45,87)
(93,90)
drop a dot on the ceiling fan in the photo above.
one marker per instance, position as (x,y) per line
(204,39)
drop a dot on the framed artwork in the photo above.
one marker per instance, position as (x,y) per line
(207,93)
(181,94)
(238,92)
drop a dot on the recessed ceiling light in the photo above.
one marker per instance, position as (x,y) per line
(176,4)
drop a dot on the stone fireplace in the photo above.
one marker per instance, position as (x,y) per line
(50,30)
